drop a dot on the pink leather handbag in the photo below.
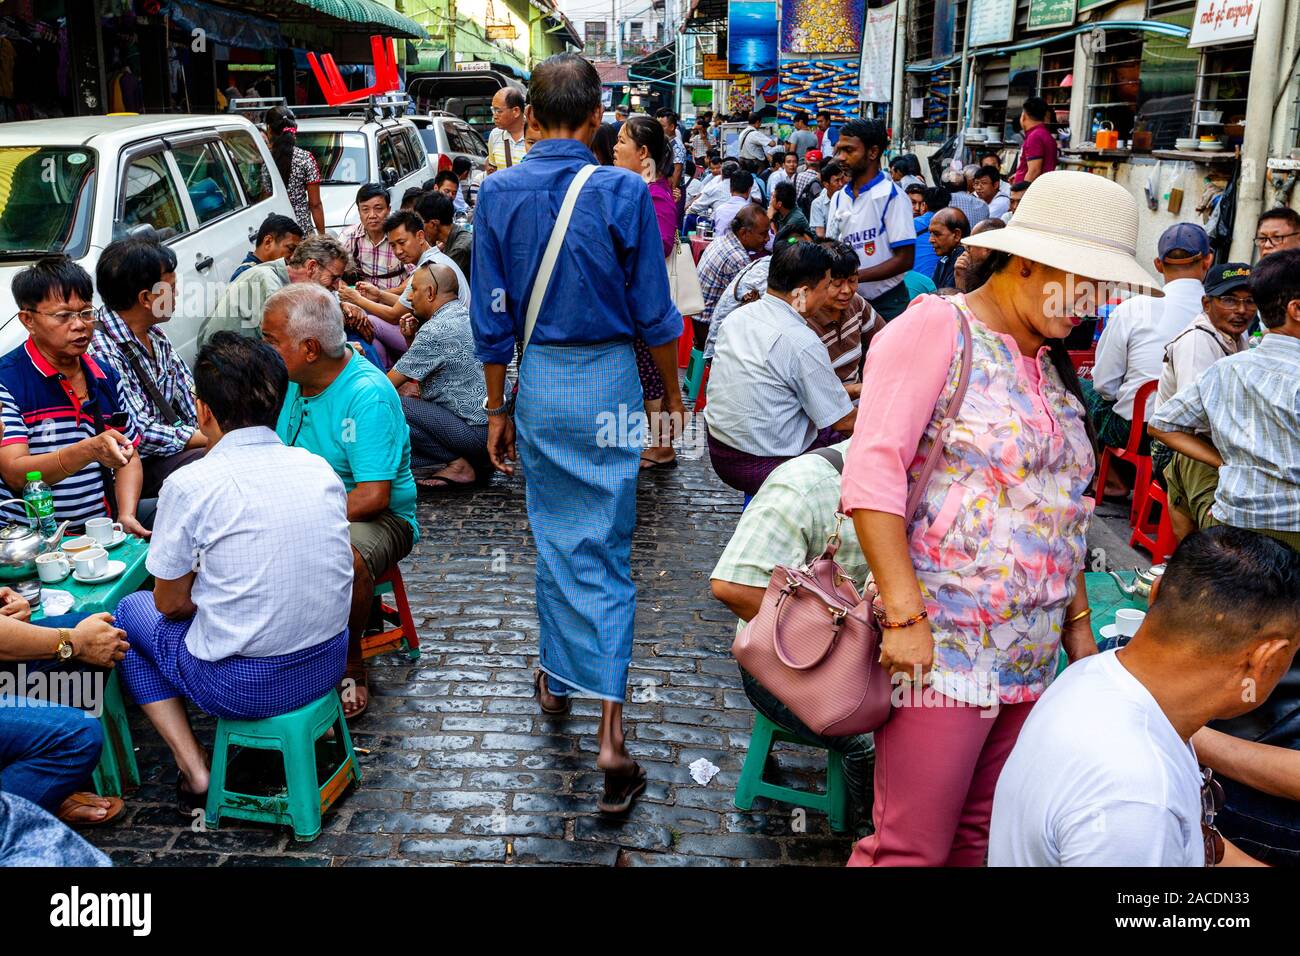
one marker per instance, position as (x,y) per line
(815,643)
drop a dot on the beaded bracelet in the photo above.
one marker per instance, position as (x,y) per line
(914,619)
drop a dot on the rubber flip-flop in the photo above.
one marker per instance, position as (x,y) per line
(75,800)
(537,688)
(446,485)
(670,463)
(620,801)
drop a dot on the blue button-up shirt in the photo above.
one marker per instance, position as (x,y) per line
(610,281)
(1249,404)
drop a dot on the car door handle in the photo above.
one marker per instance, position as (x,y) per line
(202,262)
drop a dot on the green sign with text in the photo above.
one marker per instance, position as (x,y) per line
(1047,14)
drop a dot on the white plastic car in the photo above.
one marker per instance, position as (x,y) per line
(352,150)
(73,185)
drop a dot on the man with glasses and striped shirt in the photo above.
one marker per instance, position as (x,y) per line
(59,404)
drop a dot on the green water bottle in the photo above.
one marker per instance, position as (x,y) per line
(40,504)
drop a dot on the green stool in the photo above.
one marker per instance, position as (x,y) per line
(117,769)
(294,734)
(694,375)
(834,802)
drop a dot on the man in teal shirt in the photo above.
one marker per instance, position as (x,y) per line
(341,407)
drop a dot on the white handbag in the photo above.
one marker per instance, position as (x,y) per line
(684,279)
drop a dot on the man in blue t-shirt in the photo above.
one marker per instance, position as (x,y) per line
(344,409)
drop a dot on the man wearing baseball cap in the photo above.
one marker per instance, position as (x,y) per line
(1132,346)
(1228,308)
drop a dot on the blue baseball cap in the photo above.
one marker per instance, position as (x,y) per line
(1187,237)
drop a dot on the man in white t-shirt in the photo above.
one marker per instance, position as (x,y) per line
(873,216)
(1103,773)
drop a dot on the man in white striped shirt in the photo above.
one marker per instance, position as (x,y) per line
(61,413)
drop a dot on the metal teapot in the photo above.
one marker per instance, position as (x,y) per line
(1143,582)
(20,546)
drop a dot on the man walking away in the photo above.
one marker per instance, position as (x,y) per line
(608,287)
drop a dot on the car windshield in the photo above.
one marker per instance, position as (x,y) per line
(46,195)
(342,157)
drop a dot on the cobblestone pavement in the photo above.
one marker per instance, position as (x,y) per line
(463,768)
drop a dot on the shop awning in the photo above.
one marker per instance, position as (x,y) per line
(369,15)
(225,26)
(658,66)
(1144,26)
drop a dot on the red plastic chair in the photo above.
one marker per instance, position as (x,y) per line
(401,634)
(1160,545)
(1132,454)
(336,91)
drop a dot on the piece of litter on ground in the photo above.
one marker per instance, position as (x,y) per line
(702,771)
(362,750)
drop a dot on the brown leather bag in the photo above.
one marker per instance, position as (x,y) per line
(815,642)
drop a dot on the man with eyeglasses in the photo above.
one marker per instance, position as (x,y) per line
(506,144)
(59,404)
(1220,330)
(1278,229)
(319,259)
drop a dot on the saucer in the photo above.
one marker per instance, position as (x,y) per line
(118,538)
(114,570)
(1108,632)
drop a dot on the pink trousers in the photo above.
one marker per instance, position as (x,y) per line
(936,768)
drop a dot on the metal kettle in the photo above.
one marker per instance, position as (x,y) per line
(1143,582)
(20,546)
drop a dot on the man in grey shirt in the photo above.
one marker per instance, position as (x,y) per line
(803,138)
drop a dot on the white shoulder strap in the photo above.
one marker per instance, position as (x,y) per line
(552,252)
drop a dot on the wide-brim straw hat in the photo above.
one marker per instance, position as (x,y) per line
(1077,222)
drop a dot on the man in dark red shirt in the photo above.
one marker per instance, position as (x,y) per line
(1038,154)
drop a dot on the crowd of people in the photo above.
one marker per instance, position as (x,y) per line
(857,319)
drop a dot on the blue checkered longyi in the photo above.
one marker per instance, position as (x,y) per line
(159,667)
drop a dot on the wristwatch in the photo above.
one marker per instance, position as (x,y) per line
(65,650)
(504,409)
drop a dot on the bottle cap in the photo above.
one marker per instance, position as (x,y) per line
(33,476)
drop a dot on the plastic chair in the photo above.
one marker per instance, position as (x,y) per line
(834,802)
(295,735)
(694,375)
(1162,543)
(401,635)
(117,770)
(1132,453)
(700,399)
(685,342)
(335,90)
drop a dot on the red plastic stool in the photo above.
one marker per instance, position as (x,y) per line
(685,342)
(1162,545)
(700,400)
(399,633)
(1131,453)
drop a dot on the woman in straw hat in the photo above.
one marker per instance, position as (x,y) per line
(984,586)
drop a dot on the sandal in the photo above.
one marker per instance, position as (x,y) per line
(359,674)
(446,484)
(537,689)
(78,800)
(187,802)
(618,799)
(650,464)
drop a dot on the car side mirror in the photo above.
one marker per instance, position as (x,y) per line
(389,176)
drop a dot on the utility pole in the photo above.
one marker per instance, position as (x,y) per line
(451,34)
(618,32)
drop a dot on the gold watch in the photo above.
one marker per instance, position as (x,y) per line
(65,650)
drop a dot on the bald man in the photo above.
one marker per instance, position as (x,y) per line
(947,229)
(441,385)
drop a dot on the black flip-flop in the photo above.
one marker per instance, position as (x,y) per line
(670,463)
(620,801)
(446,485)
(537,689)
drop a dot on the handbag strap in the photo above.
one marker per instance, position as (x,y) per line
(946,423)
(552,252)
(165,408)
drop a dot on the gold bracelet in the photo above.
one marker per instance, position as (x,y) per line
(58,460)
(1080,616)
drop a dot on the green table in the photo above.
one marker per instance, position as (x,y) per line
(92,598)
(1105,598)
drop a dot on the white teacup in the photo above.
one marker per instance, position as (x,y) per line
(82,542)
(91,563)
(1128,620)
(53,567)
(103,530)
